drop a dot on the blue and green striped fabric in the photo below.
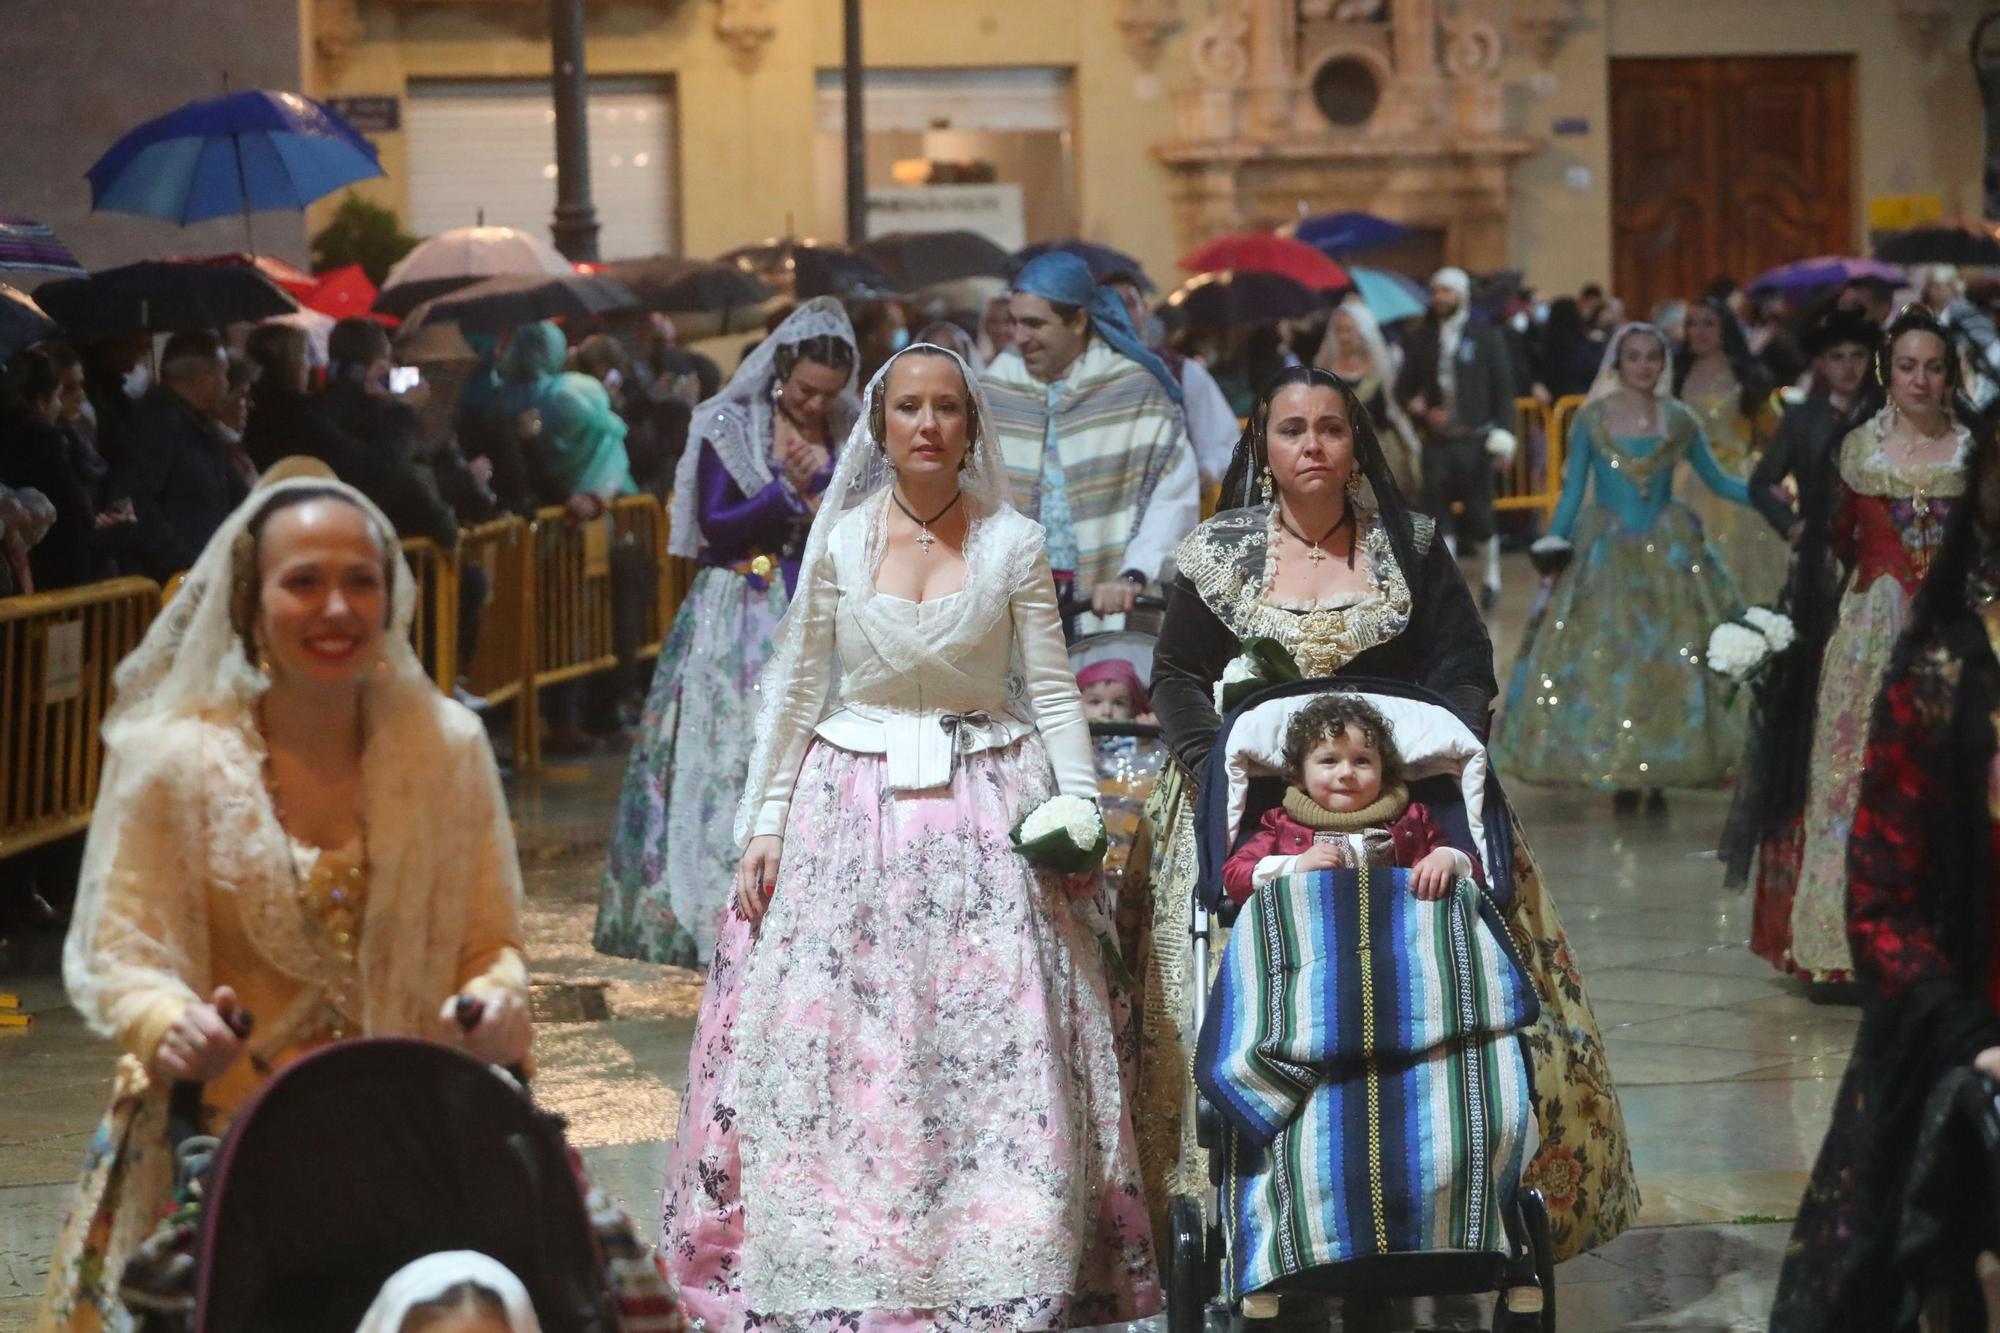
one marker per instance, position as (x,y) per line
(1359,1044)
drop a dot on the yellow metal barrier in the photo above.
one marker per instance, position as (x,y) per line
(434,627)
(569,614)
(640,522)
(1528,482)
(57,654)
(498,668)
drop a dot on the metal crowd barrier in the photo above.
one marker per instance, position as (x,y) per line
(1535,477)
(57,654)
(547,617)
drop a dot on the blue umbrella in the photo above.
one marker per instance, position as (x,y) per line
(1388,296)
(1348,233)
(245,152)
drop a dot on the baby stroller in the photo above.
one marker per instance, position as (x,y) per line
(362,1157)
(1387,1162)
(1129,756)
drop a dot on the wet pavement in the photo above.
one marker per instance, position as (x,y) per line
(1727,1072)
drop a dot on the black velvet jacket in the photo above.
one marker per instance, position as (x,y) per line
(1423,629)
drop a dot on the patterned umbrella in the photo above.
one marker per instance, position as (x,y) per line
(30,245)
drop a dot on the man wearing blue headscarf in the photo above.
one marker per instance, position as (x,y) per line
(1090,424)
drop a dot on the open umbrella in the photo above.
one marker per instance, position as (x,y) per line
(1103,260)
(919,259)
(344,292)
(246,152)
(30,246)
(156,296)
(1973,244)
(690,286)
(1268,252)
(460,257)
(804,268)
(1230,299)
(1821,272)
(1388,296)
(22,322)
(513,299)
(290,277)
(1347,233)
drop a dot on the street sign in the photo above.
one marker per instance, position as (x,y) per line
(374,114)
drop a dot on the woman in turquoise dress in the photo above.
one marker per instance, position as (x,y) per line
(1610,691)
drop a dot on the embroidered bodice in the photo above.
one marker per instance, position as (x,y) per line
(1633,475)
(1892,515)
(1729,433)
(1229,561)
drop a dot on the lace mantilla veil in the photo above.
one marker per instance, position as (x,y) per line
(191,664)
(1608,381)
(998,555)
(736,423)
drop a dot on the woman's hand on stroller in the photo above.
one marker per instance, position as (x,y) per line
(500,1030)
(1432,877)
(757,875)
(201,1045)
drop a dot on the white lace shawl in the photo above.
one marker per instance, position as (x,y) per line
(183,820)
(995,563)
(736,423)
(1608,379)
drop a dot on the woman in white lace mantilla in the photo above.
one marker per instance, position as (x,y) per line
(293,823)
(905,1107)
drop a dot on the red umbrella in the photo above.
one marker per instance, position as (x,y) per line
(343,292)
(1268,252)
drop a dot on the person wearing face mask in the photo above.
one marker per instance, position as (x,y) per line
(1212,427)
(1609,691)
(1794,487)
(1900,476)
(1096,443)
(173,469)
(1457,384)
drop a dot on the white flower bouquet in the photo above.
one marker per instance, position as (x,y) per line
(1063,833)
(1741,649)
(1263,662)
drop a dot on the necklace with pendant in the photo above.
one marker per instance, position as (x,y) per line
(1313,552)
(924,537)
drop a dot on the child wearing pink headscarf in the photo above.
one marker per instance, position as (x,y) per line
(1113,692)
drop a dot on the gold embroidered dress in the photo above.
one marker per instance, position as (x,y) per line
(1421,628)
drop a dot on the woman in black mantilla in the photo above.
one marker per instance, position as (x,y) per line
(1315,548)
(1922,862)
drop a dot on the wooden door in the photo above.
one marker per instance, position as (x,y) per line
(1726,165)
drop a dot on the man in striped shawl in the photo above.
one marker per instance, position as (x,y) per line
(1090,424)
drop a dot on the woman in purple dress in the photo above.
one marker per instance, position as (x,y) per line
(744,498)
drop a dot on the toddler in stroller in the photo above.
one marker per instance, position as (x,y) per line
(1362,1085)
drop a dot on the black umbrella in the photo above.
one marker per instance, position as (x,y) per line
(496,305)
(803,269)
(919,259)
(1232,298)
(157,297)
(404,297)
(22,322)
(1973,244)
(1103,260)
(690,286)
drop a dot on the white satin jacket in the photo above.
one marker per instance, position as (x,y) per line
(1013,679)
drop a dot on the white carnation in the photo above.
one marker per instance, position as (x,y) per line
(1239,670)
(1776,627)
(1074,816)
(1737,650)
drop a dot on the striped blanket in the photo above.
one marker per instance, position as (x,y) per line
(1359,1047)
(1117,433)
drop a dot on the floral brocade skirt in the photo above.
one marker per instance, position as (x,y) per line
(905,1107)
(672,859)
(1610,691)
(1583,1166)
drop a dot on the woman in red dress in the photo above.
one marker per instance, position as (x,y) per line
(1922,866)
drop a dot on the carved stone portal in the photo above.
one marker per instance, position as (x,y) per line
(1392,106)
(1147,24)
(746,27)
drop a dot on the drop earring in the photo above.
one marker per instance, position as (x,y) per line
(1265,487)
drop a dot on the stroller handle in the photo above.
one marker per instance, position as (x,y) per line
(468,1010)
(184,1102)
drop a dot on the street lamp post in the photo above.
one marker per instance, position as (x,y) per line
(575,227)
(857,129)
